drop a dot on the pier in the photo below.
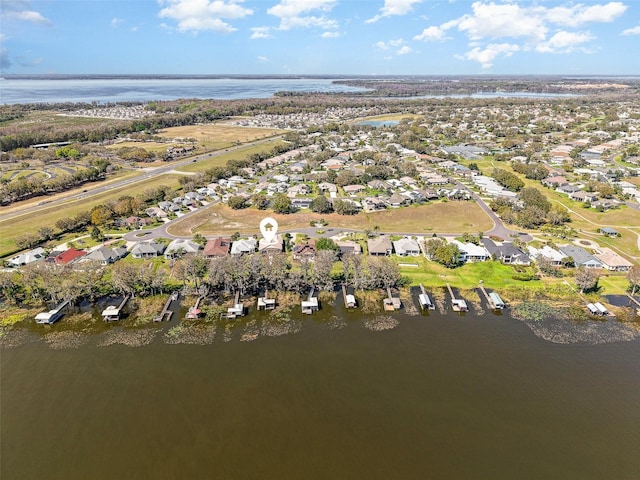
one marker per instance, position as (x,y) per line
(194,312)
(51,316)
(311,304)
(112,313)
(237,310)
(165,314)
(425,301)
(391,303)
(349,299)
(493,299)
(266,303)
(457,304)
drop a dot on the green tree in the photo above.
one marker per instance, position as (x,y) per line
(321,204)
(260,201)
(281,204)
(324,243)
(237,202)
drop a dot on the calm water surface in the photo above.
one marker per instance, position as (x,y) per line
(103,90)
(445,397)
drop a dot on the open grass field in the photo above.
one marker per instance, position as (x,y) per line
(222,159)
(585,219)
(47,216)
(155,147)
(52,119)
(390,117)
(216,136)
(446,217)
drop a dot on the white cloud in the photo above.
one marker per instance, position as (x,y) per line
(524,28)
(432,34)
(632,31)
(381,45)
(394,7)
(116,22)
(503,20)
(564,42)
(262,59)
(27,16)
(580,14)
(397,42)
(404,50)
(330,35)
(196,15)
(486,56)
(260,33)
(296,14)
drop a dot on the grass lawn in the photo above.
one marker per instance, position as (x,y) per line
(417,219)
(237,154)
(216,136)
(47,216)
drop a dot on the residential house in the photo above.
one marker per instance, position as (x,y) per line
(274,246)
(406,247)
(555,181)
(373,204)
(612,261)
(353,189)
(380,246)
(217,247)
(26,258)
(583,196)
(470,252)
(244,246)
(328,187)
(66,257)
(301,202)
(506,252)
(306,250)
(156,212)
(580,256)
(609,232)
(348,247)
(149,249)
(105,255)
(179,247)
(551,255)
(398,200)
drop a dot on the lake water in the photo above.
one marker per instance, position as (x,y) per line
(104,90)
(440,396)
(49,89)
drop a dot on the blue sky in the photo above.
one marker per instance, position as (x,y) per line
(361,37)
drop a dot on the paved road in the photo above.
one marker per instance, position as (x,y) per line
(149,173)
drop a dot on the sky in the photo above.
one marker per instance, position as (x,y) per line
(339,37)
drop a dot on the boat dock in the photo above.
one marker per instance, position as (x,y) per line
(266,303)
(51,316)
(195,312)
(112,313)
(425,301)
(599,309)
(349,299)
(311,304)
(237,310)
(165,311)
(493,299)
(457,304)
(391,303)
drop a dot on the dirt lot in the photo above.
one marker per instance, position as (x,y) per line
(419,219)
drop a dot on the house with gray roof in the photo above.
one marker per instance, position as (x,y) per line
(26,258)
(380,246)
(406,247)
(179,247)
(506,252)
(244,246)
(149,249)
(580,256)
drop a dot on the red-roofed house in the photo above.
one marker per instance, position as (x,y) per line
(68,256)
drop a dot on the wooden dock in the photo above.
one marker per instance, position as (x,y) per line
(391,303)
(237,310)
(195,312)
(311,304)
(493,299)
(112,313)
(425,301)
(51,316)
(266,303)
(166,314)
(349,300)
(457,304)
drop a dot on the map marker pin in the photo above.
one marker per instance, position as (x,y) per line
(268,228)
